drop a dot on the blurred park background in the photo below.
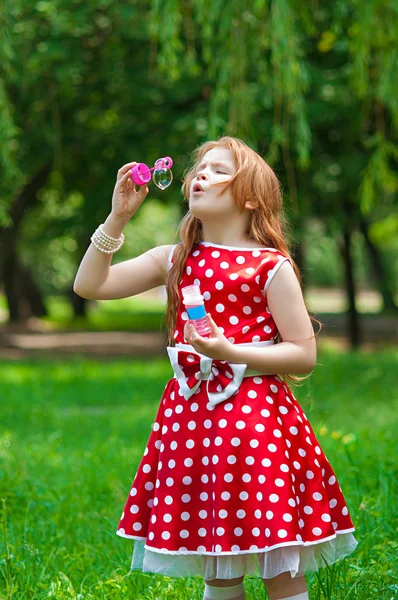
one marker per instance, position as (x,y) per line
(87,86)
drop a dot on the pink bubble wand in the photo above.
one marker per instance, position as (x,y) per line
(162,176)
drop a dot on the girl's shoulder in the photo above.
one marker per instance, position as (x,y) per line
(270,264)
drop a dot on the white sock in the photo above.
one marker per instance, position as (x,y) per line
(303,596)
(234,592)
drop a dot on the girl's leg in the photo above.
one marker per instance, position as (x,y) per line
(224,589)
(286,587)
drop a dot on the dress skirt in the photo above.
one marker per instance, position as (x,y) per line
(234,488)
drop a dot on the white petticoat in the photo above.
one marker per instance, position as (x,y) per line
(298,559)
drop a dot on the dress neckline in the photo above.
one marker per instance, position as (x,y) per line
(234,247)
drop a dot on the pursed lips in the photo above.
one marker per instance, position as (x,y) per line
(197,189)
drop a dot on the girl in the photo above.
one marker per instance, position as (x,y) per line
(233,479)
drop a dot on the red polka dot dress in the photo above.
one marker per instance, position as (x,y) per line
(240,485)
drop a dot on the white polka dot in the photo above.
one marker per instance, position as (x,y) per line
(279,482)
(286,517)
(333,503)
(317,496)
(325,517)
(293,430)
(272,447)
(282,533)
(274,498)
(309,475)
(283,410)
(308,510)
(277,433)
(317,531)
(344,510)
(269,514)
(220,308)
(332,480)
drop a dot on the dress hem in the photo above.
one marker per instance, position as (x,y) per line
(267,549)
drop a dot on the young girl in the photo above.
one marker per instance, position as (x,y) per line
(233,479)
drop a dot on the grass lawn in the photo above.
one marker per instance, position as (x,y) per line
(72,435)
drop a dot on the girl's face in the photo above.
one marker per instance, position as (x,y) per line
(216,166)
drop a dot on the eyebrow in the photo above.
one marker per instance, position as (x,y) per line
(215,163)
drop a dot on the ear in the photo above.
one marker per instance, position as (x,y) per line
(249,205)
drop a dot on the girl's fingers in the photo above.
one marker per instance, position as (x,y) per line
(125,168)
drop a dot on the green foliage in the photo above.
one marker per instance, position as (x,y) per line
(87,87)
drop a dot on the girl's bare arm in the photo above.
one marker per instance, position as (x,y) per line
(96,279)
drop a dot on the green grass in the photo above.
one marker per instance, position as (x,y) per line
(73,433)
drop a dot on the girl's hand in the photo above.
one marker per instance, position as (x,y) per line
(126,200)
(217,346)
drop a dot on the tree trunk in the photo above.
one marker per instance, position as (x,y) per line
(23,296)
(33,294)
(353,317)
(379,270)
(79,304)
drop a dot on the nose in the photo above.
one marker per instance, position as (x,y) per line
(201,175)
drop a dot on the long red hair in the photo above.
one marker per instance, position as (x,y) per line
(253,181)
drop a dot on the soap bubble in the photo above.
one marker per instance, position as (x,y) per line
(161,176)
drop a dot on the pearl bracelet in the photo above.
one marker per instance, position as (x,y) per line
(105,243)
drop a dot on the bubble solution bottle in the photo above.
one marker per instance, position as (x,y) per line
(194,305)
